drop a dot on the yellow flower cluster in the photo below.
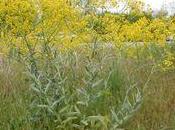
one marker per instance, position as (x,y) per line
(168,63)
(119,29)
(16,17)
(63,24)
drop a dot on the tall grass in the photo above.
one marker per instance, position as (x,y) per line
(91,87)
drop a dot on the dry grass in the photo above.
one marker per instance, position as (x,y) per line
(158,109)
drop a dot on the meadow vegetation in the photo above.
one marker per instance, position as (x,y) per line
(65,66)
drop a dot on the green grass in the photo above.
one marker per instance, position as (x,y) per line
(85,88)
(13,98)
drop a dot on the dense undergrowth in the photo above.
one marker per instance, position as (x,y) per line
(94,89)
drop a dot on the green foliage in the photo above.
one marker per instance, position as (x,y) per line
(76,70)
(70,92)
